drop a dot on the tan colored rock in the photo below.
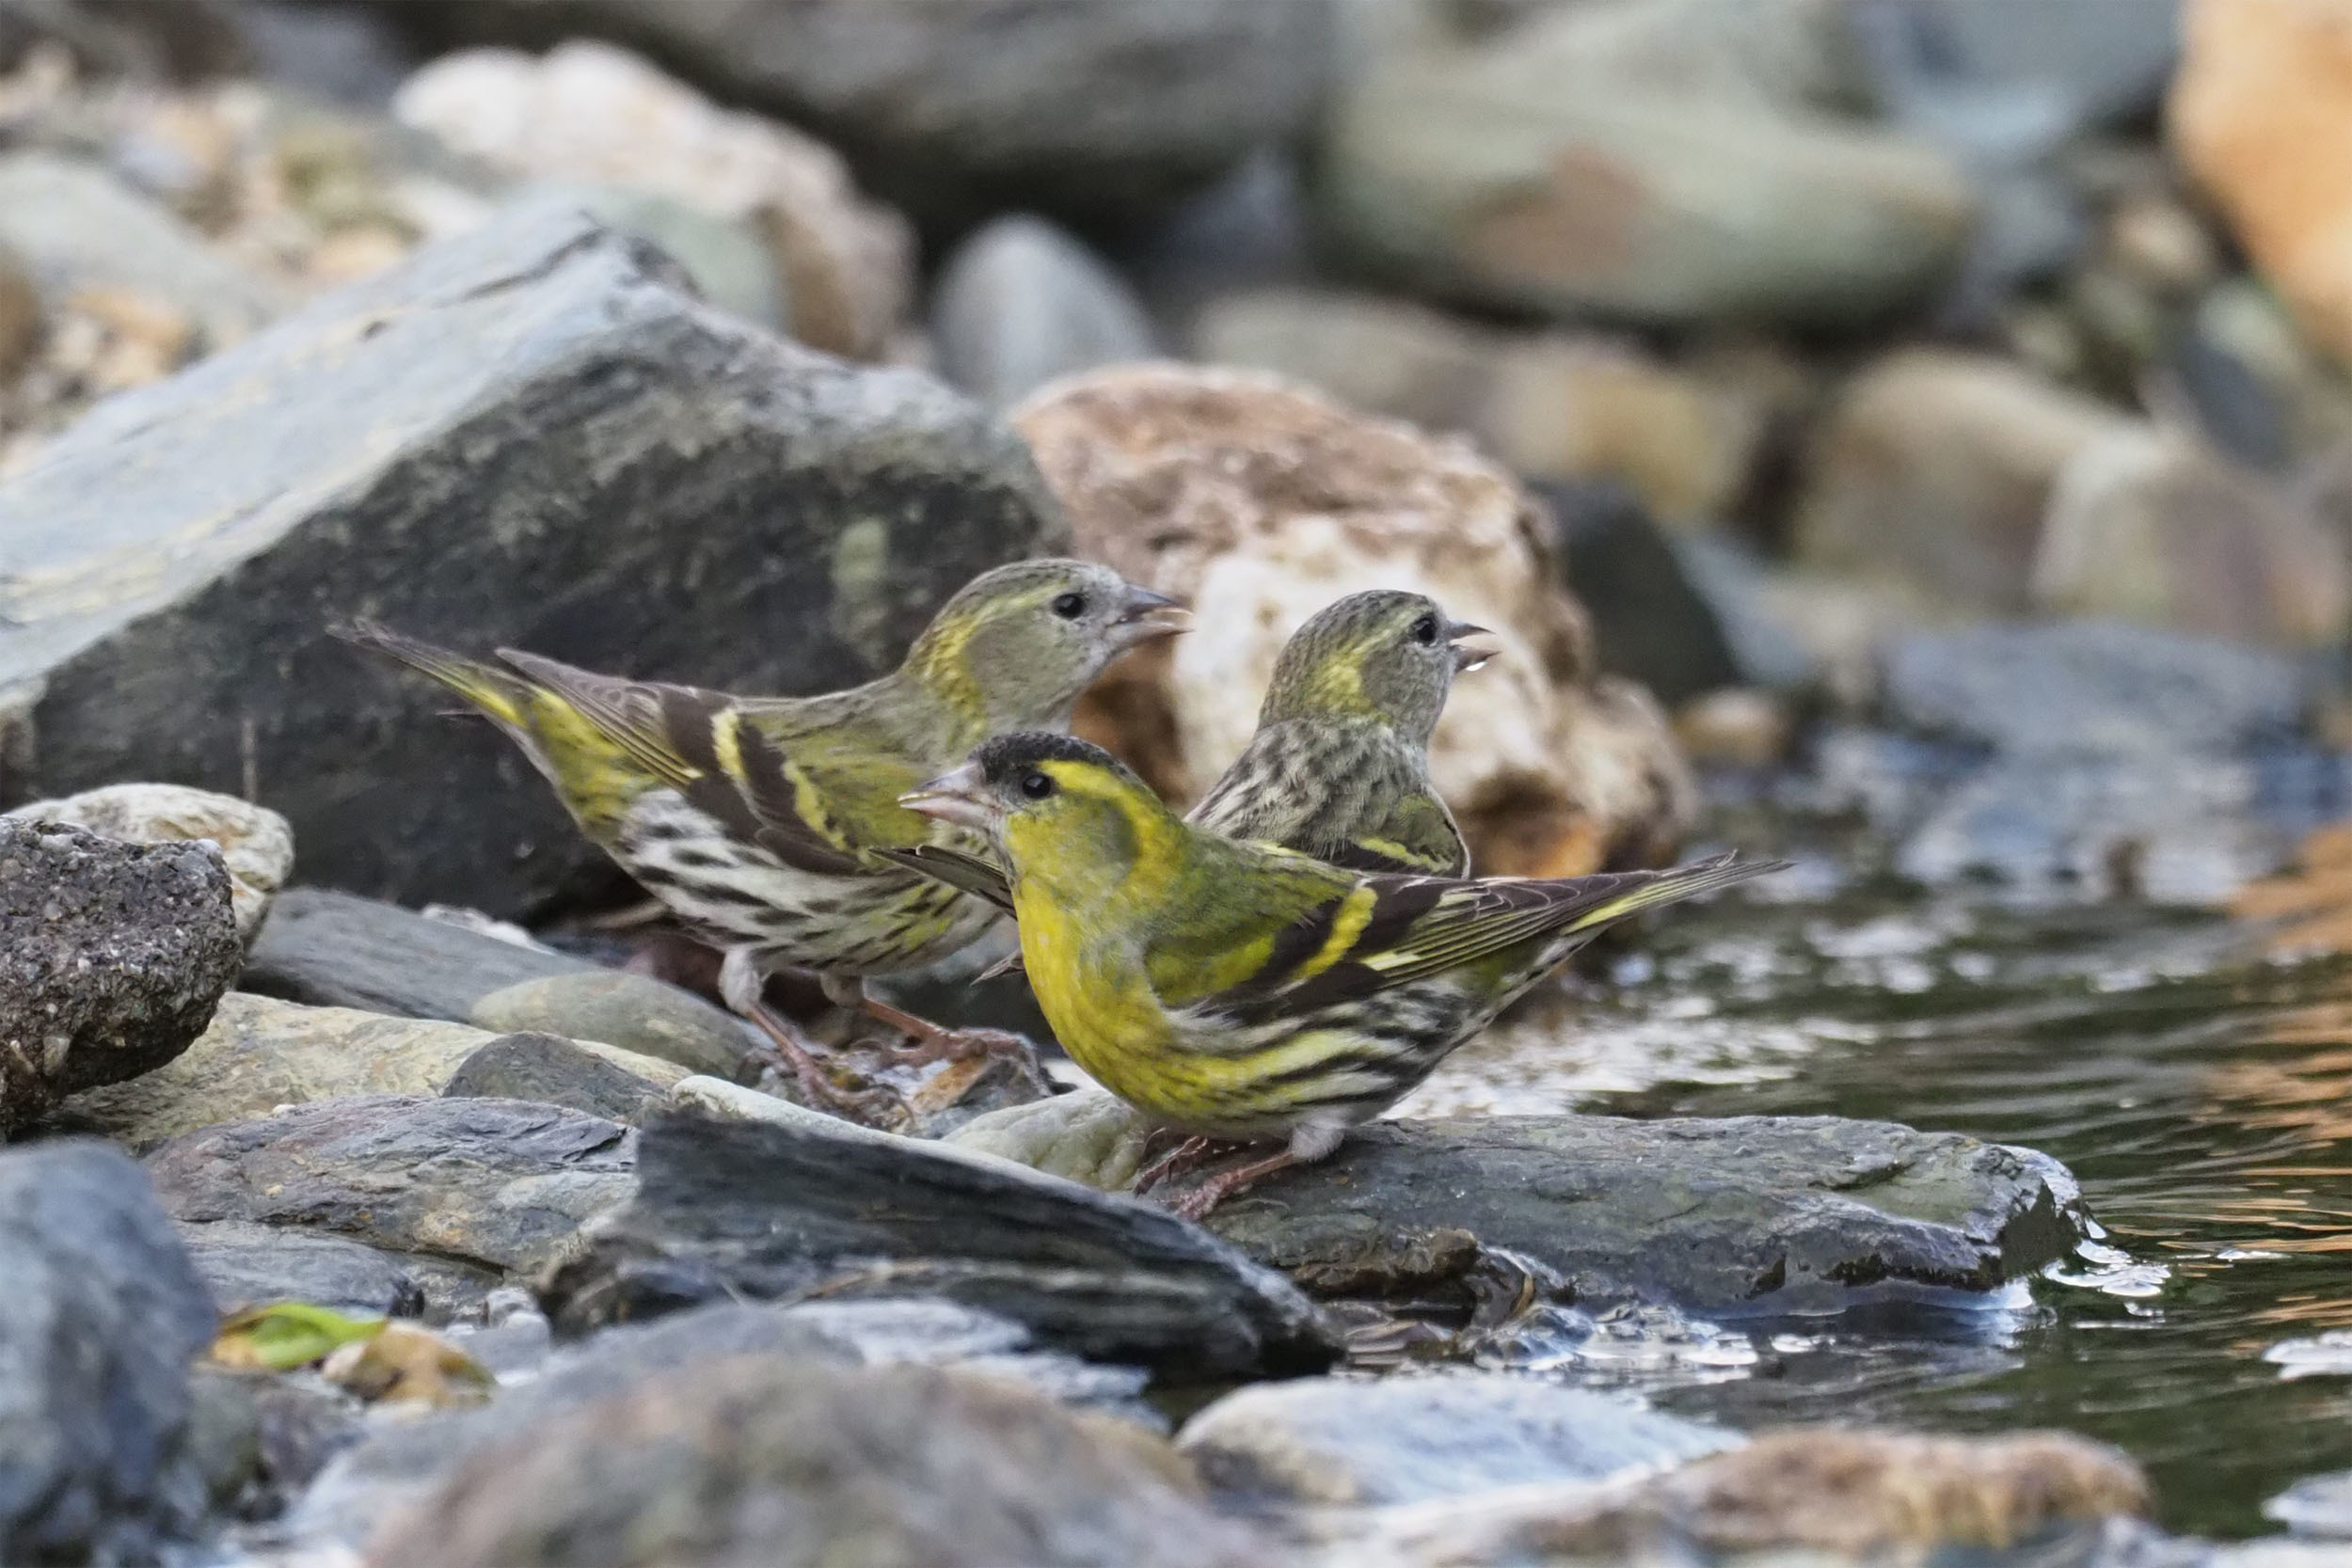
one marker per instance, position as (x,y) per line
(261,1054)
(589,111)
(1858,1494)
(2261,112)
(1739,726)
(1259,501)
(1936,467)
(254,841)
(2151,526)
(20,315)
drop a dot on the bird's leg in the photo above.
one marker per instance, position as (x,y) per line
(1309,1141)
(1188,1154)
(742,983)
(1195,1203)
(933,1043)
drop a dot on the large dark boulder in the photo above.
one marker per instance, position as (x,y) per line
(112,956)
(1094,110)
(99,1316)
(531,435)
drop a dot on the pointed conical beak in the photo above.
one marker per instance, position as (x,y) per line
(1146,616)
(961,796)
(1466,660)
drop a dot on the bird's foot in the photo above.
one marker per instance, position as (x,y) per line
(1195,1203)
(929,1042)
(792,1055)
(1164,1161)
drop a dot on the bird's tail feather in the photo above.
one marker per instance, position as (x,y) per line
(496,693)
(1673,885)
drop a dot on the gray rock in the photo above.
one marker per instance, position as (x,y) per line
(498,1185)
(335,950)
(261,1055)
(102,1315)
(254,842)
(2093,687)
(80,227)
(1649,621)
(548,1070)
(540,402)
(635,1012)
(1406,1439)
(112,956)
(1021,303)
(400,1463)
(765,1210)
(957,109)
(246,1264)
(1790,1213)
(1537,171)
(800,1463)
(729,263)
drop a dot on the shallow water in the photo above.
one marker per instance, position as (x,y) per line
(2201,1092)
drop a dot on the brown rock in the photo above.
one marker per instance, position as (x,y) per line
(2262,114)
(1260,501)
(589,111)
(1860,1494)
(1935,468)
(20,315)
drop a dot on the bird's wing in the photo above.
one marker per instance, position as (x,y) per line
(972,874)
(1417,837)
(1390,930)
(703,745)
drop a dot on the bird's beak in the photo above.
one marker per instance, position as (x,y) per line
(961,797)
(1466,660)
(1146,615)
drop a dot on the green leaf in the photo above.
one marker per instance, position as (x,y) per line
(286,1335)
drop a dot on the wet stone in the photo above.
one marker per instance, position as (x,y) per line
(770,1209)
(1790,1213)
(549,1069)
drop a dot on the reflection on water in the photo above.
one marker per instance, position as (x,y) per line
(2203,1094)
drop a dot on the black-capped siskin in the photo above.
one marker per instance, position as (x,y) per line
(754,820)
(1236,990)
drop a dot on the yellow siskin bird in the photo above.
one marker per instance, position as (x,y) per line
(754,820)
(1338,765)
(1236,990)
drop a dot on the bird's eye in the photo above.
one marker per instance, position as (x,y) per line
(1425,631)
(1070,605)
(1036,786)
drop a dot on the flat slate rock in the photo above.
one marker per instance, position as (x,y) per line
(497,1185)
(548,1070)
(254,1265)
(112,957)
(531,435)
(1762,1214)
(338,950)
(768,1210)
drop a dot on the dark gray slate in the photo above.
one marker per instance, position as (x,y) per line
(1021,303)
(253,1265)
(100,1317)
(112,956)
(1773,1214)
(1649,621)
(398,1461)
(337,950)
(500,1184)
(770,1211)
(529,434)
(548,1070)
(1093,110)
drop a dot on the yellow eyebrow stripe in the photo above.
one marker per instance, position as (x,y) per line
(1355,912)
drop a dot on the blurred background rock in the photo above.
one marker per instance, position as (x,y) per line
(1710,349)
